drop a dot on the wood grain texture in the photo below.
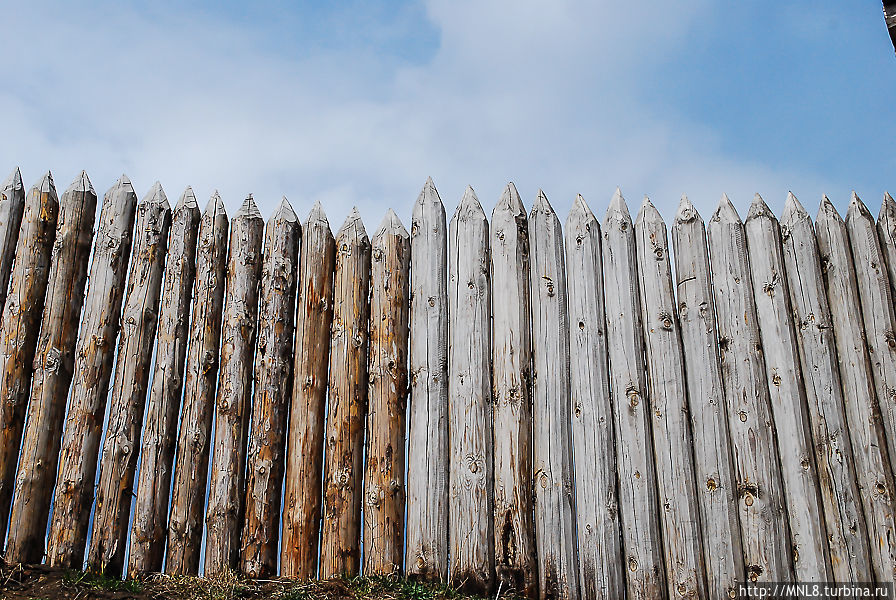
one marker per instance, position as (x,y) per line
(878,313)
(384,486)
(760,493)
(305,454)
(799,473)
(601,563)
(552,447)
(12,207)
(94,361)
(343,467)
(273,390)
(638,501)
(886,232)
(226,496)
(108,539)
(512,392)
(427,509)
(191,466)
(713,462)
(20,326)
(53,368)
(470,520)
(672,438)
(160,429)
(866,431)
(847,538)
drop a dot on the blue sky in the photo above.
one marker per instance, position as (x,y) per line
(358,102)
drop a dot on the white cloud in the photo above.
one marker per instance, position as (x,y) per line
(548,94)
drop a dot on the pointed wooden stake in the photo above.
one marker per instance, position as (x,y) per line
(12,207)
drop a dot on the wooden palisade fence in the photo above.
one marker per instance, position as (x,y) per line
(595,411)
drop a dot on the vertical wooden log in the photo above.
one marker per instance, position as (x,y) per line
(552,460)
(866,430)
(672,439)
(273,387)
(470,525)
(93,371)
(305,447)
(713,462)
(191,466)
(54,363)
(601,564)
(20,326)
(224,519)
(877,313)
(343,467)
(108,539)
(512,391)
(160,430)
(12,207)
(427,511)
(638,502)
(847,537)
(384,491)
(886,231)
(763,520)
(799,473)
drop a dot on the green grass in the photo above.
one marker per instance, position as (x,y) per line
(98,581)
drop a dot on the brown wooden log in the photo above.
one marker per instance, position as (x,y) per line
(552,445)
(108,539)
(601,562)
(673,442)
(427,512)
(515,567)
(93,371)
(191,467)
(224,517)
(273,389)
(305,453)
(866,431)
(54,363)
(384,489)
(471,516)
(638,502)
(343,468)
(12,207)
(20,326)
(160,430)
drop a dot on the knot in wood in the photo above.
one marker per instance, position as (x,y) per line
(880,488)
(666,321)
(632,564)
(743,416)
(549,285)
(357,340)
(711,484)
(805,463)
(374,499)
(51,364)
(342,477)
(659,253)
(776,379)
(377,255)
(637,474)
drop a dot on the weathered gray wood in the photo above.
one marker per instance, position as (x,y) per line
(427,510)
(470,520)
(512,388)
(601,564)
(847,538)
(224,518)
(108,539)
(12,207)
(886,231)
(713,462)
(191,466)
(799,474)
(760,493)
(343,467)
(877,313)
(384,489)
(866,432)
(305,449)
(273,389)
(93,371)
(672,439)
(552,459)
(160,430)
(20,326)
(638,501)
(53,366)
